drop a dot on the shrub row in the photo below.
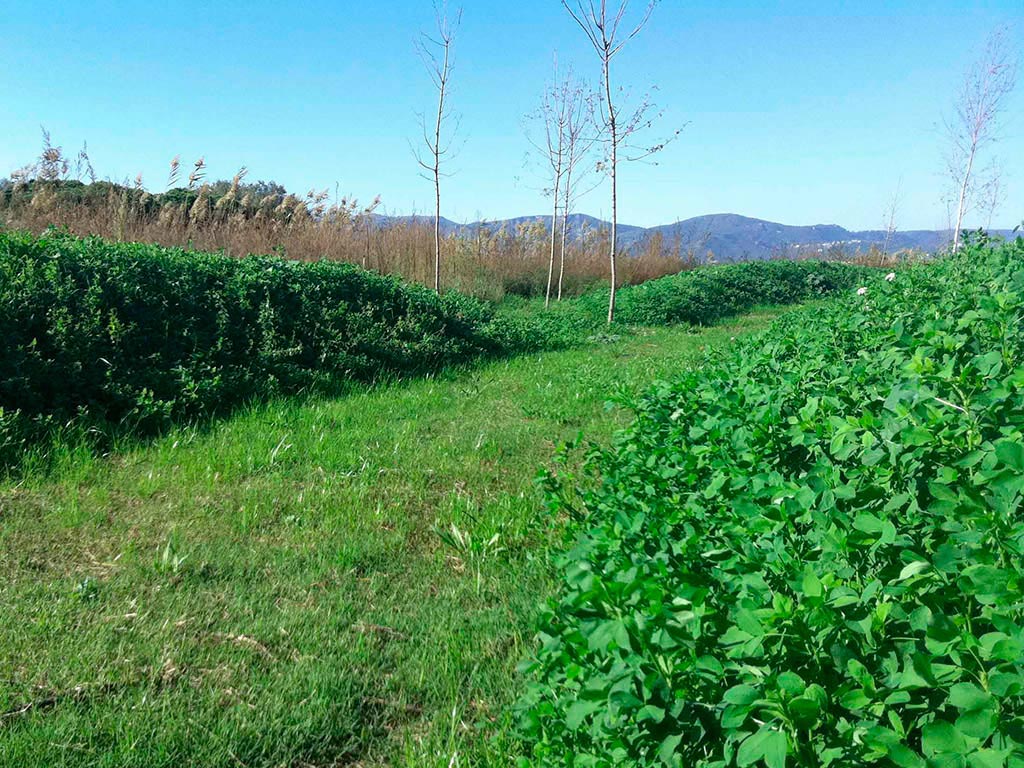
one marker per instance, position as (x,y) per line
(706,296)
(133,337)
(142,335)
(807,552)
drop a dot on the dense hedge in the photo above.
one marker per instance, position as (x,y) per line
(107,336)
(145,334)
(809,551)
(706,296)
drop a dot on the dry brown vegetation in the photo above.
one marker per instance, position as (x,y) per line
(242,218)
(490,262)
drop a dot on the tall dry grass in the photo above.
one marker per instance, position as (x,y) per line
(241,218)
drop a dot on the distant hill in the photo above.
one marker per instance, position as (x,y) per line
(729,236)
(732,237)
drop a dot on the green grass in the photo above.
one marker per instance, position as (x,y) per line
(327,582)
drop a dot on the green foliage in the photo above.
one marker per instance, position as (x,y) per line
(705,296)
(808,551)
(142,336)
(287,587)
(98,336)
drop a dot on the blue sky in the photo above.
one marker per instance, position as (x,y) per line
(799,112)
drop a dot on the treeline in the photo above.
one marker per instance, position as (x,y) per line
(99,339)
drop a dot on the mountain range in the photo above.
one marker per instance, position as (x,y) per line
(728,236)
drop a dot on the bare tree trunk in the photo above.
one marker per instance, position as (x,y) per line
(565,227)
(564,115)
(890,223)
(437,236)
(962,201)
(439,67)
(554,227)
(613,135)
(443,80)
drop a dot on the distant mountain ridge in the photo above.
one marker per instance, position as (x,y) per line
(729,236)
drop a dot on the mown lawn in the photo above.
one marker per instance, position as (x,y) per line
(335,582)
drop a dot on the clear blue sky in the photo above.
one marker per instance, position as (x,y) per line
(799,112)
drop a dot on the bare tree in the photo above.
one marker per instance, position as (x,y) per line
(992,193)
(976,120)
(891,212)
(552,118)
(604,28)
(563,116)
(578,142)
(436,54)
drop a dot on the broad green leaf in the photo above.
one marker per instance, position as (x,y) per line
(986,758)
(941,737)
(741,695)
(768,745)
(913,569)
(667,749)
(1011,453)
(650,713)
(811,584)
(977,723)
(805,711)
(791,683)
(579,710)
(969,696)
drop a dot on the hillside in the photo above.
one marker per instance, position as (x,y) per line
(729,236)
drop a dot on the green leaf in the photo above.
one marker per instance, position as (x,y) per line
(942,629)
(710,664)
(608,632)
(1005,683)
(855,699)
(1011,453)
(941,737)
(741,695)
(811,585)
(667,750)
(766,744)
(804,711)
(791,683)
(868,523)
(912,569)
(978,723)
(650,713)
(969,696)
(905,757)
(987,582)
(916,436)
(747,621)
(986,758)
(775,750)
(579,710)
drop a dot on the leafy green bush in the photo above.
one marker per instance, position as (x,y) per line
(706,296)
(142,335)
(131,337)
(808,551)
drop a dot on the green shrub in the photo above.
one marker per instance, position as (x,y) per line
(706,296)
(100,337)
(809,551)
(140,335)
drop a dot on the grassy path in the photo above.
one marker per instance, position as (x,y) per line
(274,591)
